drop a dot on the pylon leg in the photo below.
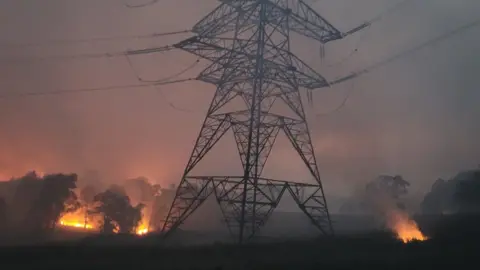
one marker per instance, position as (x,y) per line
(191,193)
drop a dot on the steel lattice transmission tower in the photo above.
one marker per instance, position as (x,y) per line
(248,43)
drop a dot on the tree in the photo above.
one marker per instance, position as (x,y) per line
(26,193)
(467,193)
(459,194)
(117,211)
(440,197)
(393,186)
(56,197)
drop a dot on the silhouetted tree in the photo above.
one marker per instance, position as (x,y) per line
(383,192)
(56,197)
(460,194)
(467,193)
(393,186)
(117,211)
(440,198)
(26,193)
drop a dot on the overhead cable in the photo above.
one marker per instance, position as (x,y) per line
(390,10)
(89,55)
(87,90)
(173,76)
(368,25)
(406,52)
(392,59)
(90,40)
(342,104)
(160,90)
(170,103)
(151,2)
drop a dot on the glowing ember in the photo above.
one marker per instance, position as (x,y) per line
(406,229)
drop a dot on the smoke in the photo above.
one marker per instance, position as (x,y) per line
(414,117)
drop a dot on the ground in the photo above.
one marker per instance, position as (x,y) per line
(453,244)
(376,252)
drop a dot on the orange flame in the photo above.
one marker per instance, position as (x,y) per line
(143,228)
(76,219)
(79,220)
(76,224)
(404,227)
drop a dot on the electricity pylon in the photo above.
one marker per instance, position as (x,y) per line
(248,43)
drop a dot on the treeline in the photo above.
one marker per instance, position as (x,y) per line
(459,195)
(33,204)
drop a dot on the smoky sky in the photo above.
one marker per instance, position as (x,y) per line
(415,116)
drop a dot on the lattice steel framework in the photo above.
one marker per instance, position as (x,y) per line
(248,43)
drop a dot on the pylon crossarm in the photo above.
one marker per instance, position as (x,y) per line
(306,21)
(219,50)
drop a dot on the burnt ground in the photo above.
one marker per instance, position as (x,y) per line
(453,243)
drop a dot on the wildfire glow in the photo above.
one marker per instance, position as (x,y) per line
(76,224)
(76,220)
(405,228)
(142,229)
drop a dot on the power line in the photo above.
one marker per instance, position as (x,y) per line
(336,81)
(341,105)
(89,40)
(152,2)
(369,23)
(88,55)
(183,71)
(390,10)
(87,90)
(160,90)
(392,59)
(405,53)
(170,103)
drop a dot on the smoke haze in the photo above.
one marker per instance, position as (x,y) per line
(414,117)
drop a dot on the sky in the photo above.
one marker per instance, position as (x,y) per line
(415,117)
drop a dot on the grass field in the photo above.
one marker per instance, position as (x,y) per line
(452,245)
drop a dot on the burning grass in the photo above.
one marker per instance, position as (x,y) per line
(81,220)
(404,227)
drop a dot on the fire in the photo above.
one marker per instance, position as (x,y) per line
(143,228)
(75,224)
(404,227)
(76,219)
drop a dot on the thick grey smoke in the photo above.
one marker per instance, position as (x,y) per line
(414,117)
